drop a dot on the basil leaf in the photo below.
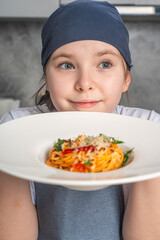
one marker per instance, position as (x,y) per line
(116,141)
(87,162)
(126,156)
(58,145)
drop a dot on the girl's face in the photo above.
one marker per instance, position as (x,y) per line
(86,76)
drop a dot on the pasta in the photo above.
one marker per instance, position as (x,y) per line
(87,154)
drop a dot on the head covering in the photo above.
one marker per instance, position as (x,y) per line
(85,20)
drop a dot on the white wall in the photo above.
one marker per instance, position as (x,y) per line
(27,8)
(43,8)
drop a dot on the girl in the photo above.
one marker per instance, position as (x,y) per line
(87,63)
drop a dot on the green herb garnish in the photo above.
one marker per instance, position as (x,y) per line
(87,162)
(58,145)
(126,156)
(116,141)
(110,139)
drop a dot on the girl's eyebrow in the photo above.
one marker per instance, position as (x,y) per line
(66,55)
(106,52)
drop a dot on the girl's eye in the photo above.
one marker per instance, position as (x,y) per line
(105,65)
(66,66)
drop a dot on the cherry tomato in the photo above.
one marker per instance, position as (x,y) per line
(78,167)
(80,149)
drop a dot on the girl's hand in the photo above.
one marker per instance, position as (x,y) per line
(142,216)
(18,218)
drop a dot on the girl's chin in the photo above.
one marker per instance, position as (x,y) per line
(84,110)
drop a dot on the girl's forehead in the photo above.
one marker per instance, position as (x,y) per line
(93,47)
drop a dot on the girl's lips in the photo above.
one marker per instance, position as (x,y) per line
(85,104)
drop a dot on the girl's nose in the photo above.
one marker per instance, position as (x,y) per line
(84,82)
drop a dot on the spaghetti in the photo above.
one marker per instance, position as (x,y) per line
(87,154)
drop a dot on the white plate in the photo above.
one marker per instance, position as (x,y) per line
(25,143)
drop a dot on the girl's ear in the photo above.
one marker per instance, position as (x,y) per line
(127,81)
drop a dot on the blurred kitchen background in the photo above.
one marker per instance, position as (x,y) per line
(21,22)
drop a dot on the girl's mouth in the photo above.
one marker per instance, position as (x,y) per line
(85,104)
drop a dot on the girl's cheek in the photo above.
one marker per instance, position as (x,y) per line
(57,89)
(52,82)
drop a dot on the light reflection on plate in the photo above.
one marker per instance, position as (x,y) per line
(26,142)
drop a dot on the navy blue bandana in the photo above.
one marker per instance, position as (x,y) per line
(86,20)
